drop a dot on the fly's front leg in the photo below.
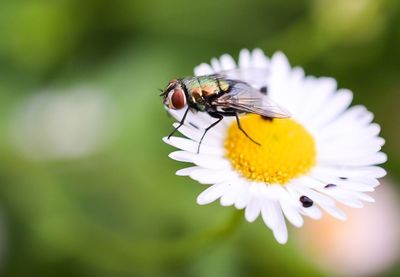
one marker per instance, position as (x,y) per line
(180,123)
(216,115)
(243,131)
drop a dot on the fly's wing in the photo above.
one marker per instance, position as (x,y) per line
(254,76)
(244,98)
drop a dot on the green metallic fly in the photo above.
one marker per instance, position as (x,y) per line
(219,96)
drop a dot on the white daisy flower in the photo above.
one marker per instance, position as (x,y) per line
(324,153)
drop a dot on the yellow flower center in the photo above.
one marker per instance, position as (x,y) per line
(287,149)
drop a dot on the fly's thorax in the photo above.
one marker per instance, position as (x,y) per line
(211,86)
(201,90)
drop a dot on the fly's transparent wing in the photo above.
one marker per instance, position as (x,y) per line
(244,98)
(257,77)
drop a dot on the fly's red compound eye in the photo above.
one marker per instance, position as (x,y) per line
(177,99)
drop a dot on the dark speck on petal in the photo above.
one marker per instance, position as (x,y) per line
(330,186)
(307,202)
(264,90)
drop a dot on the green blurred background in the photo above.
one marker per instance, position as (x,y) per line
(86,186)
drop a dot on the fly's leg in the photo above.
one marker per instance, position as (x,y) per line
(216,115)
(180,123)
(243,131)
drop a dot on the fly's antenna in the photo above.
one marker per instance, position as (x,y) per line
(162,92)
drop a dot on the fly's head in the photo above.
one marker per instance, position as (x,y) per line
(174,96)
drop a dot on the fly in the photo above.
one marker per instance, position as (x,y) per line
(219,96)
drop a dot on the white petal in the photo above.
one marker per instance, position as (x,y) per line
(181,156)
(313,195)
(324,202)
(353,150)
(351,202)
(233,194)
(347,130)
(228,199)
(356,115)
(227,62)
(336,212)
(195,135)
(280,63)
(244,59)
(281,233)
(192,146)
(211,176)
(273,218)
(292,214)
(253,207)
(354,186)
(186,171)
(365,180)
(269,212)
(212,162)
(339,171)
(337,104)
(344,197)
(216,65)
(211,194)
(319,93)
(289,93)
(312,212)
(200,120)
(364,197)
(345,184)
(377,158)
(206,161)
(259,60)
(290,207)
(243,194)
(203,69)
(252,210)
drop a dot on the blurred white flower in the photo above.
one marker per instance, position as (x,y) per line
(366,245)
(66,124)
